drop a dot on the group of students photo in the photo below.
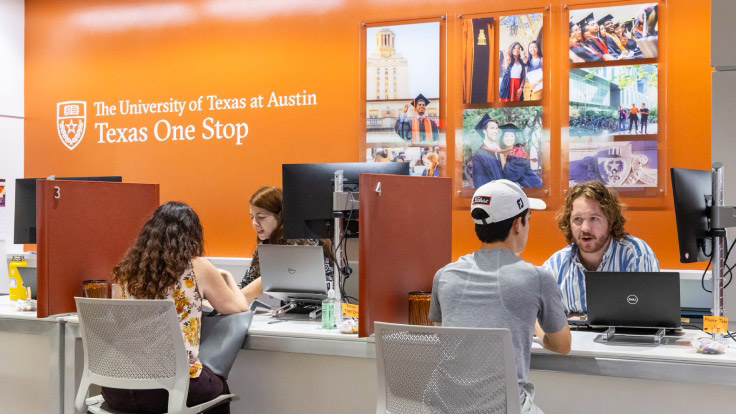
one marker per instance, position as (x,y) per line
(617,33)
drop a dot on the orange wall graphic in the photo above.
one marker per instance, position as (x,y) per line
(209,97)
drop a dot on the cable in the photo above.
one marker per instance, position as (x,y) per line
(345,265)
(729,272)
(689,325)
(341,243)
(702,278)
(730,268)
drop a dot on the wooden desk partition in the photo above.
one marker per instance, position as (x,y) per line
(405,237)
(84,229)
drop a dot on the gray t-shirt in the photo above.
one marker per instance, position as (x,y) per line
(496,289)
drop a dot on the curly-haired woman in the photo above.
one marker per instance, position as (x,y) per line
(166,263)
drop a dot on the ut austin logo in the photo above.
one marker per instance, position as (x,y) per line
(71,120)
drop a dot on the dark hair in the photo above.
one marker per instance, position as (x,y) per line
(270,199)
(495,232)
(539,48)
(164,249)
(511,52)
(605,197)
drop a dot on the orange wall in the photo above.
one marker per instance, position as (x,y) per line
(106,51)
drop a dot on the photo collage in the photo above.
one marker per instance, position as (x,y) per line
(612,126)
(613,109)
(502,136)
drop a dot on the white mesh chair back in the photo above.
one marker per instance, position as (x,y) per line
(134,344)
(426,369)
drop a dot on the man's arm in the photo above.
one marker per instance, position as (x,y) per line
(559,341)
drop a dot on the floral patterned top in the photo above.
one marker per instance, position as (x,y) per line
(188,301)
(254,271)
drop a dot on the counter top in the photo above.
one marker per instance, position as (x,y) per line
(305,337)
(674,360)
(8,310)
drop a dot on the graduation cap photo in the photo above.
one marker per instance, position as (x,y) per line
(584,22)
(522,153)
(639,45)
(605,19)
(420,98)
(481,125)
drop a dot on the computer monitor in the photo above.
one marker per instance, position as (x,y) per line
(25,205)
(692,190)
(308,189)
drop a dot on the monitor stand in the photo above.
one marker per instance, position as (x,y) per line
(643,335)
(297,309)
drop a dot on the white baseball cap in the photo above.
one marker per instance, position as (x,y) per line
(502,200)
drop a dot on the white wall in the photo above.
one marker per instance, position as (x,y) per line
(723,59)
(12,24)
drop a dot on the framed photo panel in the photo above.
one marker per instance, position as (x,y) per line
(520,58)
(502,143)
(613,100)
(614,33)
(402,90)
(621,164)
(478,60)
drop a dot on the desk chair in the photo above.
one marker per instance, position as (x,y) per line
(432,369)
(134,344)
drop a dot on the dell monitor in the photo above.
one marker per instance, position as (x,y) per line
(692,190)
(25,205)
(308,188)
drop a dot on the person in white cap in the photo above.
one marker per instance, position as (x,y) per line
(495,288)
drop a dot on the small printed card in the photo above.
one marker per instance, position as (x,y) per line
(349,310)
(714,324)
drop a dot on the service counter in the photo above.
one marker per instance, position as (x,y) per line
(288,366)
(32,361)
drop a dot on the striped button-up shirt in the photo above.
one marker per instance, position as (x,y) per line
(629,254)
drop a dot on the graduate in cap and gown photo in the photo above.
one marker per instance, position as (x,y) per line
(487,159)
(579,51)
(420,128)
(591,34)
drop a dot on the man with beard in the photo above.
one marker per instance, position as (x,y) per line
(420,128)
(593,225)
